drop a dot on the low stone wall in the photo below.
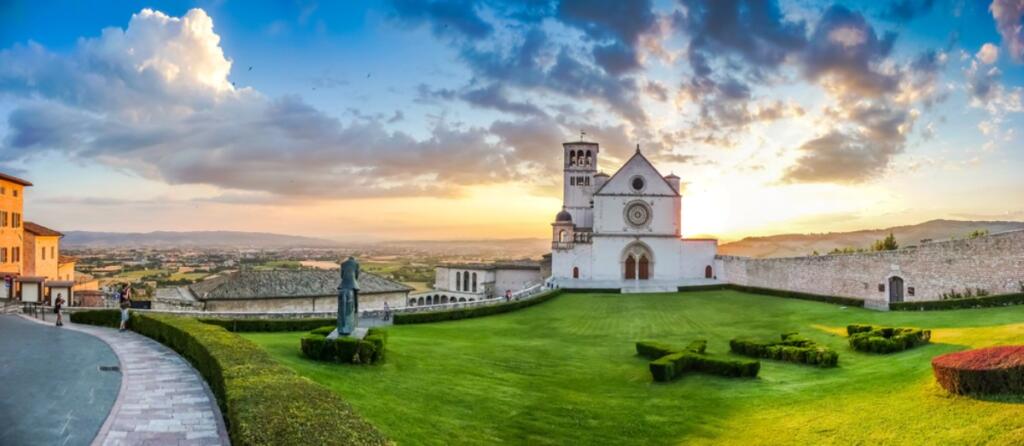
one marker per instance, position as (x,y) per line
(994,263)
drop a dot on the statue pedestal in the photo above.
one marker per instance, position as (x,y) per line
(358,333)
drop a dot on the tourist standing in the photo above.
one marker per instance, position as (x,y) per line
(58,306)
(126,303)
(387,311)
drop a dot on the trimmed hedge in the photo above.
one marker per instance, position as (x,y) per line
(848,301)
(854,329)
(992,370)
(103,318)
(263,402)
(466,313)
(369,350)
(267,325)
(790,348)
(672,366)
(1001,300)
(887,339)
(715,287)
(655,350)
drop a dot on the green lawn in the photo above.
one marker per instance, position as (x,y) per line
(565,372)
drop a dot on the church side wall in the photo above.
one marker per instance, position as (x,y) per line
(994,263)
(514,279)
(697,255)
(580,256)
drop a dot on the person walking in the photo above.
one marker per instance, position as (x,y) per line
(58,307)
(387,311)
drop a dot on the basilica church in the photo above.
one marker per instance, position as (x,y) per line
(623,231)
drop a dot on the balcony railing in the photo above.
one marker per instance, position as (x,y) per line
(562,245)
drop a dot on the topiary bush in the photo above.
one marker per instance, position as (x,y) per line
(887,339)
(670,363)
(993,370)
(790,348)
(466,313)
(348,350)
(263,402)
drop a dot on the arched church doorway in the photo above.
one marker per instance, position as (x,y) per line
(637,263)
(708,272)
(895,289)
(575,272)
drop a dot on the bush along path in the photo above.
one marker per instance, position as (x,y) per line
(344,349)
(670,363)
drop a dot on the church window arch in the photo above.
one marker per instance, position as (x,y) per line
(430,300)
(465,281)
(563,236)
(458,281)
(708,272)
(412,302)
(420,302)
(474,282)
(575,272)
(590,159)
(637,262)
(572,157)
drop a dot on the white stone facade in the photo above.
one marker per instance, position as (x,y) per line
(623,231)
(484,280)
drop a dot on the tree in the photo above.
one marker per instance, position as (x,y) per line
(887,244)
(978,233)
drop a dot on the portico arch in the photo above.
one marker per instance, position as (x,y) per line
(637,261)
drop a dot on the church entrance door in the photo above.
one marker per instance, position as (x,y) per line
(644,272)
(630,267)
(896,289)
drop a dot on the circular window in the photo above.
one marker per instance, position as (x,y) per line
(638,214)
(638,183)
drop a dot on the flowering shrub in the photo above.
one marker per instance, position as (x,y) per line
(982,371)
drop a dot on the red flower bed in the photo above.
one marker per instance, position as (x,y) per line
(983,371)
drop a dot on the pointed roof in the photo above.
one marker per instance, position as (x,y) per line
(637,157)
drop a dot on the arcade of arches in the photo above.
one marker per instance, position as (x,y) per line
(435,299)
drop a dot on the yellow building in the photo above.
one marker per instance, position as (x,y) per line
(11,232)
(42,252)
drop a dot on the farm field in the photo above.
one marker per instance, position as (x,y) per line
(566,372)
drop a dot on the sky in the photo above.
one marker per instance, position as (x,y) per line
(409,119)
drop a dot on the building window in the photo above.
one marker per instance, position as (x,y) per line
(575,272)
(14,192)
(881,288)
(53,251)
(474,282)
(910,290)
(3,255)
(16,254)
(2,190)
(16,220)
(637,183)
(3,219)
(44,252)
(458,281)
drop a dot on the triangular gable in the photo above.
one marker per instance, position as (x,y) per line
(638,164)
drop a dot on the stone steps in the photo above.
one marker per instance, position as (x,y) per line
(650,289)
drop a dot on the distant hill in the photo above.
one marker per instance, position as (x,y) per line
(163,239)
(790,245)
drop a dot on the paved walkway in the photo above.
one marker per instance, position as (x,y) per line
(52,391)
(163,400)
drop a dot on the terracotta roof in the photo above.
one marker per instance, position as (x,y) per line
(62,259)
(14,179)
(252,284)
(38,229)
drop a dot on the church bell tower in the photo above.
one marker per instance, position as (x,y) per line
(579,183)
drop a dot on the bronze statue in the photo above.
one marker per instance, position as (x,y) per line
(348,297)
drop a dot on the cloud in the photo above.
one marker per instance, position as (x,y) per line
(840,158)
(155,98)
(614,26)
(903,11)
(988,54)
(1008,15)
(845,52)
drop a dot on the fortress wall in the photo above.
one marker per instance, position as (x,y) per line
(994,263)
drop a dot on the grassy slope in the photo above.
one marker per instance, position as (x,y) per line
(565,372)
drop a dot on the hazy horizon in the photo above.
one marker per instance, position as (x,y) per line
(398,120)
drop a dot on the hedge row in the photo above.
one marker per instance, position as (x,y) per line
(264,403)
(991,370)
(103,318)
(887,339)
(1001,300)
(266,325)
(369,350)
(672,366)
(466,313)
(847,301)
(791,348)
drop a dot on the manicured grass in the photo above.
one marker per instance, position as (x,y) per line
(566,372)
